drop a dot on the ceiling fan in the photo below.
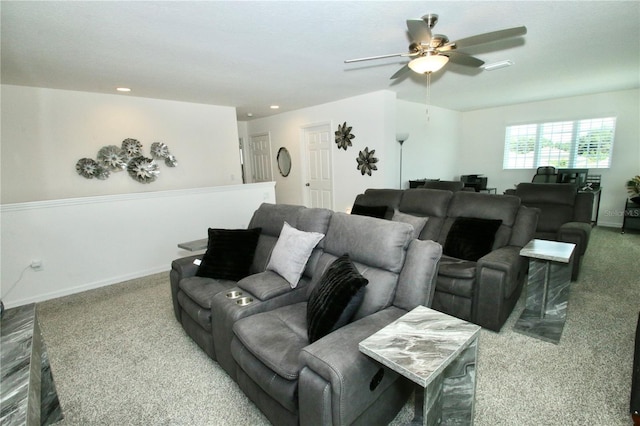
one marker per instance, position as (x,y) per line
(431,52)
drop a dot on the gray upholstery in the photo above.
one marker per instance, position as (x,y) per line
(268,346)
(565,214)
(192,296)
(447,185)
(485,291)
(264,346)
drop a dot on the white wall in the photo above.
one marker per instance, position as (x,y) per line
(482,143)
(433,148)
(45,132)
(89,242)
(372,117)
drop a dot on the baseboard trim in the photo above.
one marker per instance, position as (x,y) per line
(86,287)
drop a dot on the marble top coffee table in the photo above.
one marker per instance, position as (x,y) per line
(437,352)
(548,286)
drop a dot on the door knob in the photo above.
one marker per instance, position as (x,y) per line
(307,184)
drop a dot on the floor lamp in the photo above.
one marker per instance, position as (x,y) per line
(401,137)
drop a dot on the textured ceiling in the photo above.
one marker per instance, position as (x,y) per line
(250,55)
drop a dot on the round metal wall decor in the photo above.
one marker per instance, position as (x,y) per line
(112,158)
(142,169)
(344,136)
(366,161)
(131,148)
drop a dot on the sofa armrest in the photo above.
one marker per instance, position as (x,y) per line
(577,233)
(337,380)
(499,278)
(181,268)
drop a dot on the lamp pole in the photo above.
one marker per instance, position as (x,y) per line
(401,137)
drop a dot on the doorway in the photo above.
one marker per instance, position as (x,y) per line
(318,189)
(260,158)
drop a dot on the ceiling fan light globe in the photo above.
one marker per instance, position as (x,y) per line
(427,64)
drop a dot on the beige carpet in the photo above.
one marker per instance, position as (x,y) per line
(119,357)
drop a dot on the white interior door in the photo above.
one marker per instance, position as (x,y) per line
(319,184)
(260,158)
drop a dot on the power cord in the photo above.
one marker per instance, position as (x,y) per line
(11,288)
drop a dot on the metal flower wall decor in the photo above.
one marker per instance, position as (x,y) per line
(128,156)
(344,136)
(366,161)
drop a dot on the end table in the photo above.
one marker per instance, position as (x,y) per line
(548,286)
(437,352)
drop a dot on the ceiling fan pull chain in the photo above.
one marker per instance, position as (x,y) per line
(428,95)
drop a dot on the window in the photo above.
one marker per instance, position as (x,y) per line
(581,143)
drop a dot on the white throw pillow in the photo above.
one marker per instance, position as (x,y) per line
(291,253)
(416,221)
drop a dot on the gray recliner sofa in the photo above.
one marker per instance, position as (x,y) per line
(192,295)
(264,345)
(483,291)
(565,214)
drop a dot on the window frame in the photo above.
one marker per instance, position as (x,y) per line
(538,159)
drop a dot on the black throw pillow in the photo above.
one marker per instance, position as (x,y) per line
(335,299)
(374,211)
(471,238)
(229,253)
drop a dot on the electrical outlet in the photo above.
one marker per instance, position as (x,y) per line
(37,265)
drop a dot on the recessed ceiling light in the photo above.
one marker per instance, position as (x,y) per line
(497,65)
(123,89)
(274,106)
(249,114)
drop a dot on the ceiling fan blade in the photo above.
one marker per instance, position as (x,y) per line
(489,37)
(464,59)
(368,58)
(419,31)
(400,72)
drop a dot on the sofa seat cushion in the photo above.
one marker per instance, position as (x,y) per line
(283,391)
(456,276)
(201,289)
(199,315)
(275,338)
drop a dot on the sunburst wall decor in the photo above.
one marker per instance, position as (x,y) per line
(344,136)
(366,161)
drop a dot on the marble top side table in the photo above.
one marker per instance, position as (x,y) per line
(28,394)
(548,285)
(436,351)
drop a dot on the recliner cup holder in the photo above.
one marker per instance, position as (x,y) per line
(234,294)
(244,301)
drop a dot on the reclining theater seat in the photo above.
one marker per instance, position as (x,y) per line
(294,381)
(483,292)
(565,214)
(193,295)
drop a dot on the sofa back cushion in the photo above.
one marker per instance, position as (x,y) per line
(376,246)
(314,220)
(270,218)
(417,282)
(483,206)
(555,201)
(376,198)
(431,203)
